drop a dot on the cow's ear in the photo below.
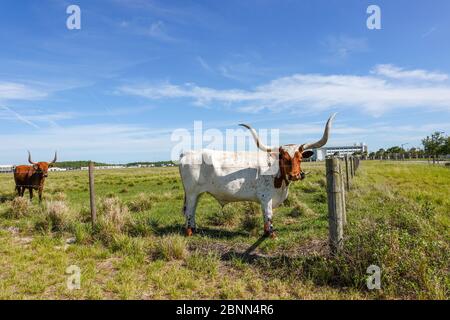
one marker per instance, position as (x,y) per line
(307,154)
(35,166)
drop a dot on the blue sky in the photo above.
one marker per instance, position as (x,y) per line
(115,90)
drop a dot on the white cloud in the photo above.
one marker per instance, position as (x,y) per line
(204,64)
(112,143)
(429,31)
(373,94)
(238,68)
(158,31)
(342,46)
(104,142)
(372,129)
(391,71)
(11,114)
(19,91)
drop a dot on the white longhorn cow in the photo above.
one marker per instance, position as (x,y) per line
(262,177)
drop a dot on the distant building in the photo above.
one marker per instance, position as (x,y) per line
(109,167)
(6,168)
(321,153)
(57,169)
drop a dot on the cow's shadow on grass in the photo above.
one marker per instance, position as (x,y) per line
(249,255)
(206,232)
(318,267)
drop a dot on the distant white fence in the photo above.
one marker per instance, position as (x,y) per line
(6,168)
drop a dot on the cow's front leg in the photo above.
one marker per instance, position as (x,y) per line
(40,194)
(267,211)
(31,193)
(190,204)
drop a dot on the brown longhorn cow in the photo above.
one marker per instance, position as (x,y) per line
(32,177)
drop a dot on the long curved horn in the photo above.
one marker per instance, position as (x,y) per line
(324,138)
(54,159)
(255,136)
(29,158)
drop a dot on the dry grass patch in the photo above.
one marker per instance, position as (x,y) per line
(141,203)
(54,216)
(171,247)
(59,196)
(114,218)
(301,209)
(58,214)
(18,207)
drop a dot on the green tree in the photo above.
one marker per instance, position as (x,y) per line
(380,152)
(447,146)
(434,145)
(395,149)
(414,152)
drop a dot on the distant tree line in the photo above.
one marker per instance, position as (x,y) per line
(77,164)
(434,146)
(82,163)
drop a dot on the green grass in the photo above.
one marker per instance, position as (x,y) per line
(398,219)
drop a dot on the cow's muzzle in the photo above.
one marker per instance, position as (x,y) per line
(300,176)
(303,175)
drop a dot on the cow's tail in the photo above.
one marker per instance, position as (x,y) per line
(184,205)
(183,211)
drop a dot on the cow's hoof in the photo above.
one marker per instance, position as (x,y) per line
(189,232)
(268,230)
(271,235)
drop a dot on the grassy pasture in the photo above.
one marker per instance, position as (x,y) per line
(398,219)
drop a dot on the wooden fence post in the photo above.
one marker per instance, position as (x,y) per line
(335,205)
(344,209)
(352,168)
(346,172)
(92,193)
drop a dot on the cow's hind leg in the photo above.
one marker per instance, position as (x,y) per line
(190,204)
(31,193)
